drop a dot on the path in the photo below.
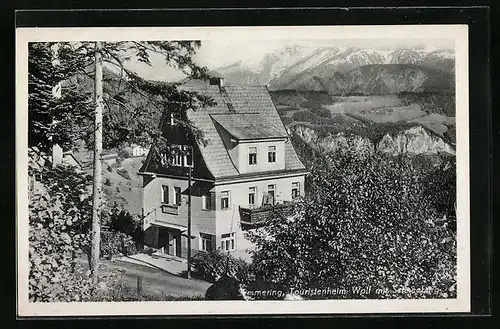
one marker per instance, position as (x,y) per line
(155,281)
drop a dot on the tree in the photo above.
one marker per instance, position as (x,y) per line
(180,53)
(59,222)
(371,227)
(66,119)
(56,120)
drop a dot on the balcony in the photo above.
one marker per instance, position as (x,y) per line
(256,217)
(170,209)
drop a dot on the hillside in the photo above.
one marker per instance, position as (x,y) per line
(374,79)
(283,68)
(122,186)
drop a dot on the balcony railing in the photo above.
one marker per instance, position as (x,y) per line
(255,217)
(170,209)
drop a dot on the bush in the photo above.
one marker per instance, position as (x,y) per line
(368,224)
(118,292)
(322,112)
(59,223)
(107,182)
(122,221)
(115,243)
(210,266)
(123,172)
(304,116)
(286,120)
(123,154)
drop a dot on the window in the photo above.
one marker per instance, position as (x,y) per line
(177,195)
(164,195)
(206,202)
(181,155)
(228,242)
(295,189)
(206,242)
(252,155)
(271,154)
(176,156)
(189,156)
(252,191)
(270,191)
(224,201)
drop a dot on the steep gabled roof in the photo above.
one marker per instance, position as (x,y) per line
(232,105)
(244,100)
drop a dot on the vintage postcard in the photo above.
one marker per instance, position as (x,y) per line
(242,170)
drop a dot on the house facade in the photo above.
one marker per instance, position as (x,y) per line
(243,166)
(138,150)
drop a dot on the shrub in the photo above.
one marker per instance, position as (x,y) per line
(123,172)
(107,182)
(322,112)
(118,292)
(123,154)
(114,243)
(122,221)
(59,222)
(210,266)
(304,116)
(286,120)
(369,224)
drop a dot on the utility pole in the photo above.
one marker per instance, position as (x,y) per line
(97,182)
(188,273)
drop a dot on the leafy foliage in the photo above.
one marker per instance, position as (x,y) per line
(115,243)
(368,225)
(321,112)
(305,116)
(211,266)
(60,210)
(134,106)
(50,119)
(430,102)
(60,205)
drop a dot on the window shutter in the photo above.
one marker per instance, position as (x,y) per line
(212,201)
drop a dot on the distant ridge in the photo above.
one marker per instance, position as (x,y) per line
(338,69)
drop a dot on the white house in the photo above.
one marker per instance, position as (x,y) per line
(138,150)
(246,167)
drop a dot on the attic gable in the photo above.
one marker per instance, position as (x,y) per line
(244,100)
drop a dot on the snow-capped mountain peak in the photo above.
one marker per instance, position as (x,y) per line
(284,65)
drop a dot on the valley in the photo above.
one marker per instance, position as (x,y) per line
(370,115)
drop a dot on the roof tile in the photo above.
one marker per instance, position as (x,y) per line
(246,100)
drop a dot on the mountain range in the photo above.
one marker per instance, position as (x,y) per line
(344,70)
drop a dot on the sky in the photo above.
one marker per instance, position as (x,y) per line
(219,53)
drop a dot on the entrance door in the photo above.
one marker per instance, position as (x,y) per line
(174,247)
(163,238)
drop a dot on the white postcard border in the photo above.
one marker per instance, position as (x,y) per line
(461,304)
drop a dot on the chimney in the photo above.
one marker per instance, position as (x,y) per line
(219,81)
(57,155)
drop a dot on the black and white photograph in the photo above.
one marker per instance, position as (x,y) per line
(242,170)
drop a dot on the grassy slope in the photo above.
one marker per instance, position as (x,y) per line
(371,115)
(125,191)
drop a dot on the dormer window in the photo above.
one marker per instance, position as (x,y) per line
(177,157)
(271,154)
(180,156)
(252,155)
